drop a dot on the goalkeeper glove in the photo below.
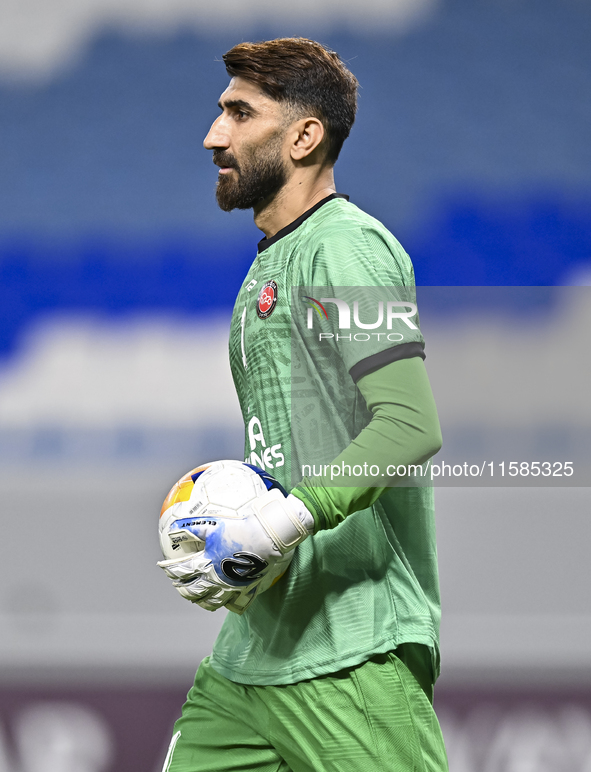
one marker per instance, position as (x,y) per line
(241,557)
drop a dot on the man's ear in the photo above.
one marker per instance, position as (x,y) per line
(309,133)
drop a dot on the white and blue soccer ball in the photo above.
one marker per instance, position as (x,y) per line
(221,488)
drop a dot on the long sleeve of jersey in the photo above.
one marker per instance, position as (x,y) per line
(404,430)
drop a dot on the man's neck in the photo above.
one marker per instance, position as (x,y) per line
(296,197)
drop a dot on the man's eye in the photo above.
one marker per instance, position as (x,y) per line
(241,115)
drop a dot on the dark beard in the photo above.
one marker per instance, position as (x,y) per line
(260,176)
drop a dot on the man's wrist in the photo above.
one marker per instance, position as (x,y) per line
(303,513)
(310,506)
(286,521)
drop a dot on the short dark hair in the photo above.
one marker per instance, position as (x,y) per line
(306,75)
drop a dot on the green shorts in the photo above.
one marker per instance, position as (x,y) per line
(371,718)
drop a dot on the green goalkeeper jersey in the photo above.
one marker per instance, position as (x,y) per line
(329,299)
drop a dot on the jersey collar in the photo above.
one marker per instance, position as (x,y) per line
(265,243)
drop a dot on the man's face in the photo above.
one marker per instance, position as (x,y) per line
(248,143)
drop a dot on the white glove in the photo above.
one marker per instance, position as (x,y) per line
(242,557)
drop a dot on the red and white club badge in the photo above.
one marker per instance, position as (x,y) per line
(267,299)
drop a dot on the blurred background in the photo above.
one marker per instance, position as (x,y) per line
(117,278)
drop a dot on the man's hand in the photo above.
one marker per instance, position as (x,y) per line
(242,556)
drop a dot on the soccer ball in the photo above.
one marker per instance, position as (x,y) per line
(223,488)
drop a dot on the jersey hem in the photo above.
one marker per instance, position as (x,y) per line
(305,674)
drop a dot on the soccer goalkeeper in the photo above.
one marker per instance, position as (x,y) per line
(332,668)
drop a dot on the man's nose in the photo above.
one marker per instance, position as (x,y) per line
(216,136)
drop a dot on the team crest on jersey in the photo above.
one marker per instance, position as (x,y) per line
(267,299)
